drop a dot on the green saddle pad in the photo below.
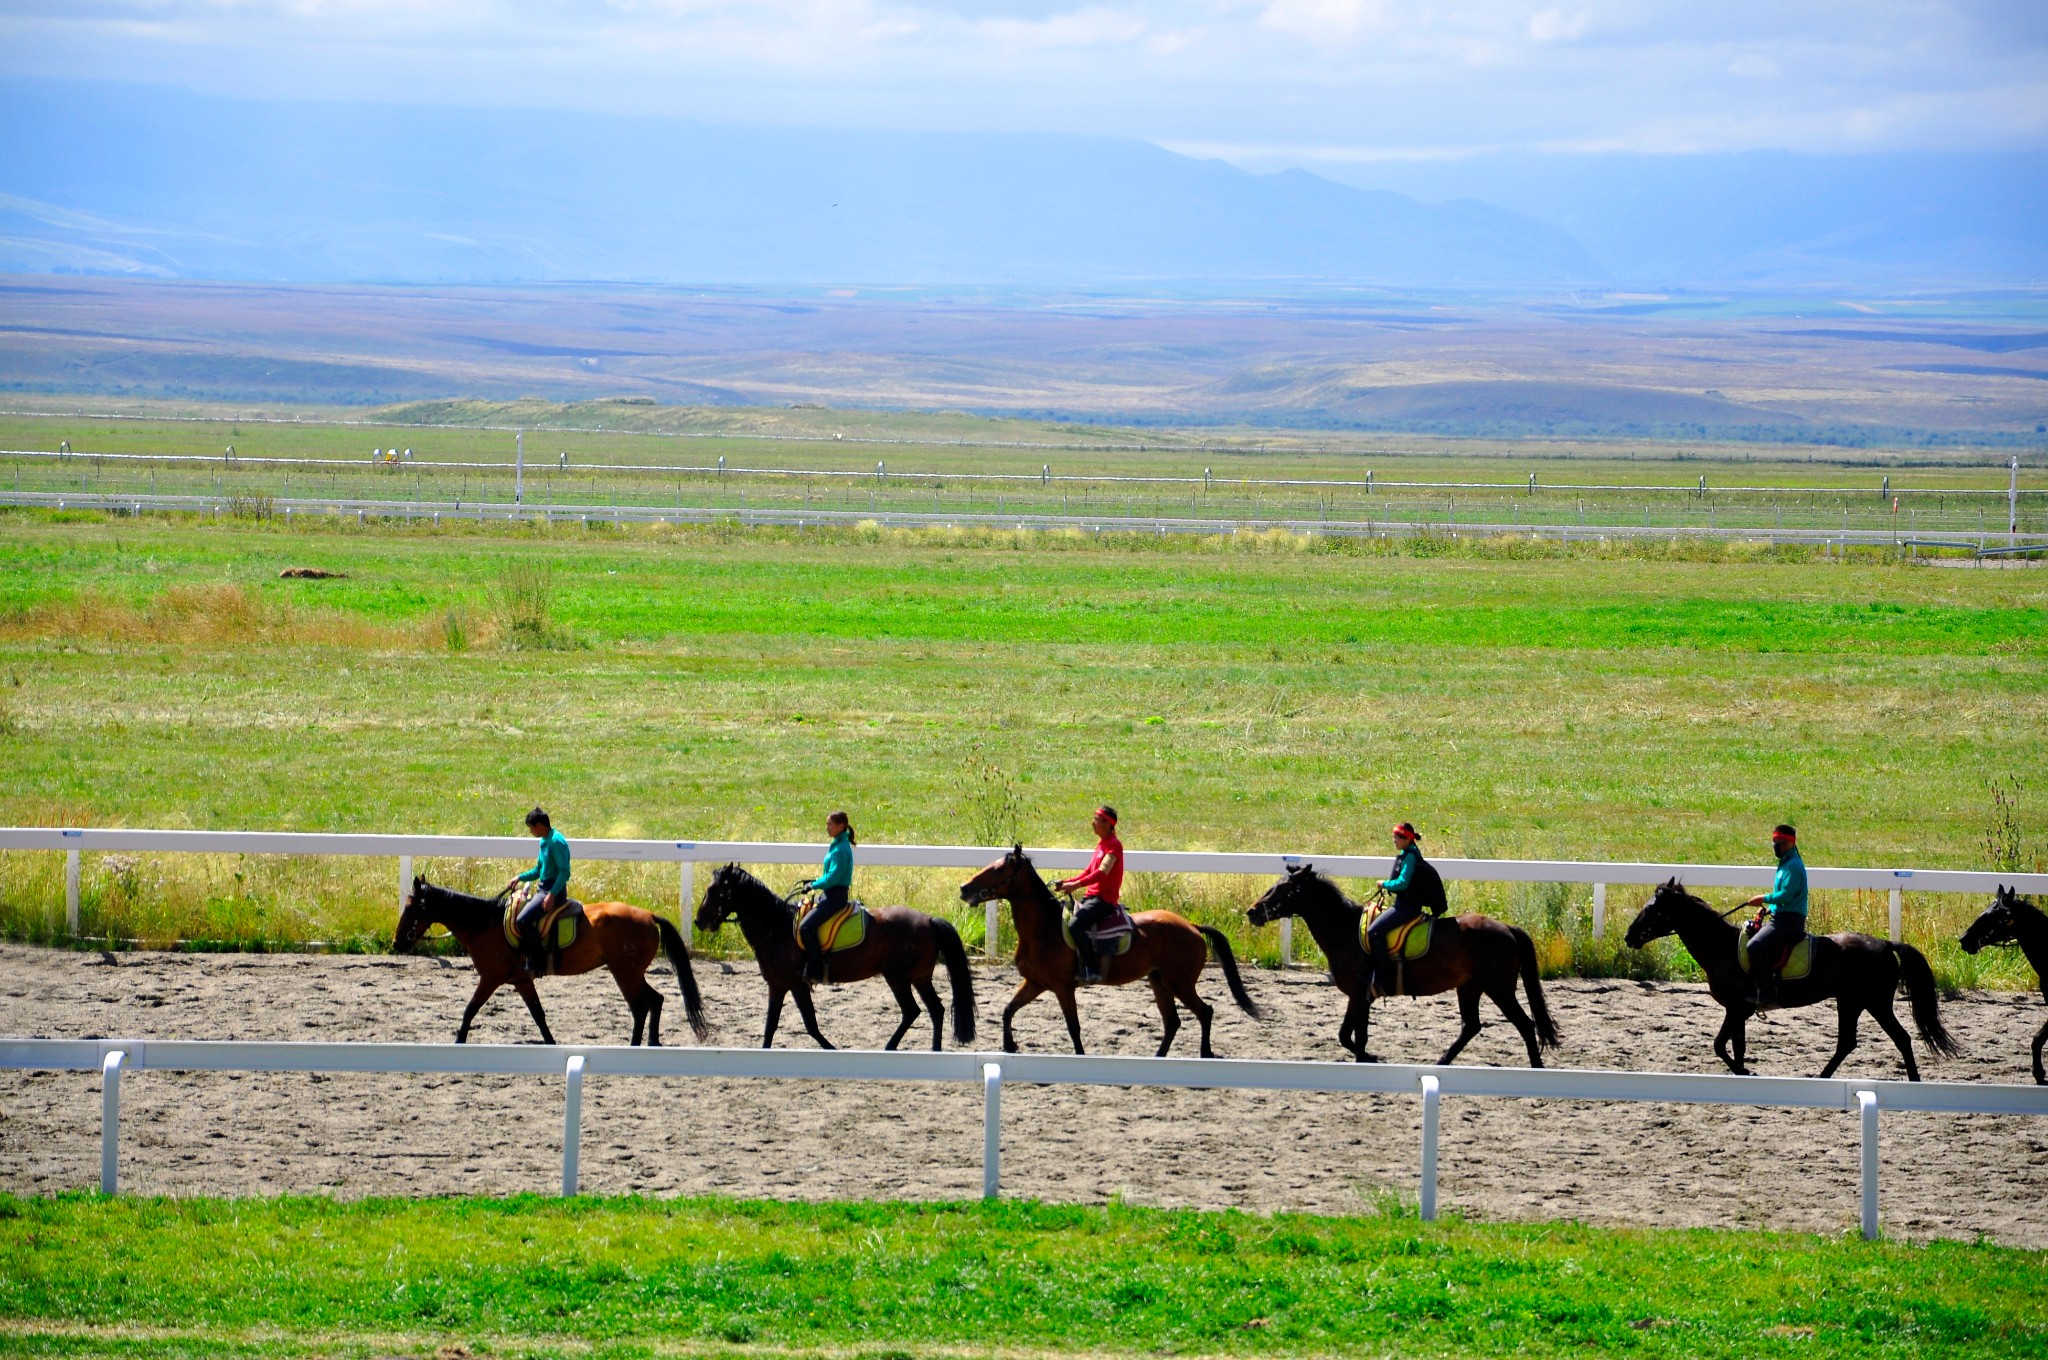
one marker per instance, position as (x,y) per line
(568,924)
(1796,967)
(844,930)
(1412,940)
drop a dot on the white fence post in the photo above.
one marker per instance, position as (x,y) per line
(71,891)
(1866,1102)
(991,1130)
(572,1126)
(1432,1096)
(686,903)
(110,1121)
(404,880)
(1898,914)
(1287,942)
(993,916)
(1599,911)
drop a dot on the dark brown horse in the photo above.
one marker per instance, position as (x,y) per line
(1168,951)
(1860,972)
(2012,919)
(902,946)
(622,938)
(1476,955)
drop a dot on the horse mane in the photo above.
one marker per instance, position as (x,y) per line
(734,878)
(465,910)
(1329,887)
(1696,904)
(1042,897)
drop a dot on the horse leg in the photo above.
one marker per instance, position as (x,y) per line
(936,1009)
(1468,1012)
(802,993)
(634,990)
(1361,1009)
(1204,1013)
(1027,992)
(1845,1035)
(651,1001)
(900,985)
(1169,1017)
(775,995)
(526,990)
(1730,1035)
(2040,1038)
(1065,997)
(1889,1023)
(1512,1009)
(485,987)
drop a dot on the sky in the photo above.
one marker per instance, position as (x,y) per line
(1323,84)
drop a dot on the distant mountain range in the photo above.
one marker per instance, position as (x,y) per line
(141,180)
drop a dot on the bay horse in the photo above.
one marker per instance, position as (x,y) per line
(1860,972)
(1473,954)
(902,946)
(1168,951)
(614,935)
(2012,919)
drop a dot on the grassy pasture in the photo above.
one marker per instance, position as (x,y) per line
(1511,698)
(293,1277)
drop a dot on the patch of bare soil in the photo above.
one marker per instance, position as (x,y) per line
(239,1134)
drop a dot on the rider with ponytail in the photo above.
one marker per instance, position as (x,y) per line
(1416,888)
(832,886)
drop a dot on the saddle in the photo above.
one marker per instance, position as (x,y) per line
(844,929)
(1405,944)
(1110,940)
(1796,966)
(558,928)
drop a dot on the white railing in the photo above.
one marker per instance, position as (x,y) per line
(111,1057)
(74,842)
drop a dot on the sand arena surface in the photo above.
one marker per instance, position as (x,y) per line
(244,1134)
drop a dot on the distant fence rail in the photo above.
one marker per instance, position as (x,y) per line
(576,1064)
(74,842)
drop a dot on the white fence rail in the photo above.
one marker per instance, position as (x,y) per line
(111,1057)
(75,842)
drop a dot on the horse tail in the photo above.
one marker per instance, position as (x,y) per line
(957,969)
(1539,1009)
(679,956)
(1926,998)
(1227,961)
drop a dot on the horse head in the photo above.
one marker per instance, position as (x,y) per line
(1999,923)
(1287,897)
(1012,877)
(731,892)
(1660,915)
(414,917)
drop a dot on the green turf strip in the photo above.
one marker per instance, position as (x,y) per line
(295,1276)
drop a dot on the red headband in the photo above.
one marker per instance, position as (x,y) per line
(1105,812)
(1406,830)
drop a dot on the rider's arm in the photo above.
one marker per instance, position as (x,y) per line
(1788,893)
(1404,872)
(1099,869)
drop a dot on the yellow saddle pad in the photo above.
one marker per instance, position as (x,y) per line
(1796,967)
(1412,940)
(559,927)
(844,930)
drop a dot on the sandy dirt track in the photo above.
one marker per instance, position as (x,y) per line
(1943,1176)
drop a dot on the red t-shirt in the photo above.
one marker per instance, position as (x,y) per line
(1104,876)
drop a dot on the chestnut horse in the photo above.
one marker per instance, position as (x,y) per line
(622,938)
(902,946)
(1168,951)
(1473,954)
(2012,919)
(1860,972)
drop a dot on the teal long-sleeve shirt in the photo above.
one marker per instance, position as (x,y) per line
(1404,871)
(1787,896)
(551,868)
(838,863)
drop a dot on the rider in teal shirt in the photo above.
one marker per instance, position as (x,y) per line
(831,885)
(1786,901)
(550,873)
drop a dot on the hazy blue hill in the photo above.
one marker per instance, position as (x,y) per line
(139,179)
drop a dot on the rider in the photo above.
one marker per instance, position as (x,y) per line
(831,886)
(1102,886)
(1786,902)
(1409,885)
(550,875)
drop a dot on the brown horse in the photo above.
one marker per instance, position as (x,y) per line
(2012,919)
(1861,972)
(1168,951)
(902,946)
(1476,955)
(622,938)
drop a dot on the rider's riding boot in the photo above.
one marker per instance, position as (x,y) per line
(1086,970)
(814,959)
(1382,970)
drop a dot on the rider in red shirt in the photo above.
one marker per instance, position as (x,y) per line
(1102,885)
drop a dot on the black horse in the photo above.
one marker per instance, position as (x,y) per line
(1472,954)
(902,946)
(1861,972)
(2012,919)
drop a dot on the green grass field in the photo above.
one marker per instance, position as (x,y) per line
(1512,699)
(306,1277)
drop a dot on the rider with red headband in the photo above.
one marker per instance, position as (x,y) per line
(1786,903)
(1101,885)
(1416,888)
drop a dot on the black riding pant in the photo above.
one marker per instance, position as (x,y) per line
(537,906)
(831,901)
(1393,918)
(1090,915)
(1772,942)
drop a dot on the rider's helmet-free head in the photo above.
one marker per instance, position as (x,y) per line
(538,817)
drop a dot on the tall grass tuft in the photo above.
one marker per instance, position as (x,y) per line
(523,599)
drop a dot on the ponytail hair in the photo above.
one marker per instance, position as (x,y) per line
(845,821)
